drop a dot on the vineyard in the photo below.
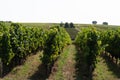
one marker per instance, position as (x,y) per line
(18,41)
(94,43)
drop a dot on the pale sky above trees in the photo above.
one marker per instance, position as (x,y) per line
(76,11)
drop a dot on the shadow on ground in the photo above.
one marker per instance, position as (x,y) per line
(6,69)
(40,74)
(115,68)
(16,61)
(82,72)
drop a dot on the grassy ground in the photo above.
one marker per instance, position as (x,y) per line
(98,26)
(72,32)
(42,25)
(64,68)
(106,69)
(26,70)
(70,66)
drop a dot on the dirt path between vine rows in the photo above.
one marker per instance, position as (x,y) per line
(64,68)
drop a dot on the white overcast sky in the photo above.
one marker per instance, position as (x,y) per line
(76,11)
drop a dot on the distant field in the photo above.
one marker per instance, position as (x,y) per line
(72,32)
(78,26)
(103,27)
(42,25)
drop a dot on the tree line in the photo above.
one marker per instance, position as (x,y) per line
(67,25)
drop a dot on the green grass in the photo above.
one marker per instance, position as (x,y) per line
(65,62)
(61,63)
(42,25)
(106,70)
(98,26)
(72,32)
(23,72)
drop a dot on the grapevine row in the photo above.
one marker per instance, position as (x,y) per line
(92,42)
(111,38)
(18,41)
(88,40)
(57,39)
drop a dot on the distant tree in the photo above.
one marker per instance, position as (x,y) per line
(105,23)
(72,25)
(61,24)
(94,22)
(66,25)
(1,21)
(8,21)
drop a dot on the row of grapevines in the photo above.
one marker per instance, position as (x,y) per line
(57,39)
(111,38)
(88,39)
(17,41)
